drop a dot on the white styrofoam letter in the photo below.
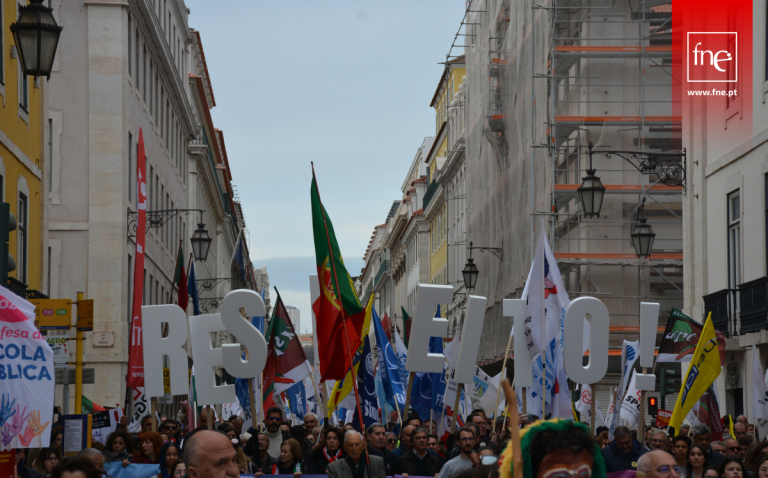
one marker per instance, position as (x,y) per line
(573,352)
(649,321)
(155,346)
(424,326)
(518,309)
(245,332)
(206,357)
(470,339)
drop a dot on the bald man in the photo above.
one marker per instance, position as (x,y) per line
(209,454)
(658,464)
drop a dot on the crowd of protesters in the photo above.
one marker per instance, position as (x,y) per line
(410,449)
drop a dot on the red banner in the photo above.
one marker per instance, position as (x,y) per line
(712,72)
(662,418)
(136,350)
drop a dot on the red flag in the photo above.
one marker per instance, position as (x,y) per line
(136,351)
(387,327)
(180,279)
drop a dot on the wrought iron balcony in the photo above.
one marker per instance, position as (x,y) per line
(430,192)
(753,305)
(382,269)
(722,305)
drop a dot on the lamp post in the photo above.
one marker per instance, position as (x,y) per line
(470,271)
(201,243)
(36,35)
(642,234)
(591,191)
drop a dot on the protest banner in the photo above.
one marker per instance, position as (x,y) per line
(662,418)
(26,376)
(104,423)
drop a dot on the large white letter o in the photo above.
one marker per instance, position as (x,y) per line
(598,340)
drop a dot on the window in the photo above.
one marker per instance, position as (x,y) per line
(161,111)
(2,57)
(149,184)
(21,237)
(130,167)
(734,240)
(167,225)
(130,44)
(167,115)
(151,89)
(144,71)
(162,228)
(23,89)
(130,286)
(50,154)
(156,96)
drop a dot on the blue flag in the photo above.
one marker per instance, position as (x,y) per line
(297,399)
(368,401)
(192,289)
(258,322)
(390,377)
(422,392)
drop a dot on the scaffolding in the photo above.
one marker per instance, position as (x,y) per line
(545,78)
(609,82)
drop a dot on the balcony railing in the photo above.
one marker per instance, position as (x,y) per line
(382,269)
(722,305)
(430,192)
(753,305)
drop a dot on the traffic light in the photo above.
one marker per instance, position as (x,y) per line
(653,406)
(667,383)
(7,224)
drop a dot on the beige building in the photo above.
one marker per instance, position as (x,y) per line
(122,67)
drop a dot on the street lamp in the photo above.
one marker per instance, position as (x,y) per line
(36,35)
(591,191)
(642,234)
(201,242)
(470,271)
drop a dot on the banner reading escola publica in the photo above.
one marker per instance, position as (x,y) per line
(26,376)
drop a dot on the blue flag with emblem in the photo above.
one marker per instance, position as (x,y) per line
(422,392)
(297,400)
(387,365)
(192,289)
(367,389)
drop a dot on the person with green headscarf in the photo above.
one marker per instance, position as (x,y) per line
(555,448)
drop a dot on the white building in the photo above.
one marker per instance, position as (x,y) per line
(295,315)
(122,67)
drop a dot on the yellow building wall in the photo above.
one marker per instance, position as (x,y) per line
(27,137)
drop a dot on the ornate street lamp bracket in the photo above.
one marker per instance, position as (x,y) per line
(156,219)
(205,285)
(669,167)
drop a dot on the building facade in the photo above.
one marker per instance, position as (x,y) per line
(123,68)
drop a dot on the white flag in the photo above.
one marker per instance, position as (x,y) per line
(760,410)
(584,406)
(611,409)
(484,390)
(629,354)
(140,409)
(630,406)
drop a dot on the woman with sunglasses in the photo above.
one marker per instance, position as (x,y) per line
(390,442)
(697,462)
(324,452)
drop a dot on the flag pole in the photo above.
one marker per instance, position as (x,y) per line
(503,369)
(318,399)
(343,312)
(506,409)
(459,388)
(407,405)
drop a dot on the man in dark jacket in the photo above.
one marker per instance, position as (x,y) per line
(623,452)
(702,437)
(375,436)
(418,462)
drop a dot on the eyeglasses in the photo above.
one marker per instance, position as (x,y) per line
(273,419)
(665,470)
(735,448)
(391,440)
(489,459)
(583,471)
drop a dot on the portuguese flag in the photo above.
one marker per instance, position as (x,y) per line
(90,407)
(180,278)
(286,364)
(336,339)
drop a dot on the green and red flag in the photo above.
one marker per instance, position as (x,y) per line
(286,364)
(180,279)
(90,407)
(338,312)
(681,335)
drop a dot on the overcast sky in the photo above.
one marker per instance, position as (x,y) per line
(346,84)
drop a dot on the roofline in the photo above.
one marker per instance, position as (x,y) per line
(437,141)
(448,68)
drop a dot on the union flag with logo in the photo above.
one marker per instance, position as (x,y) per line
(338,312)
